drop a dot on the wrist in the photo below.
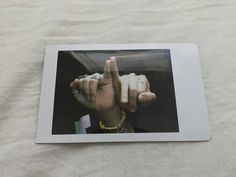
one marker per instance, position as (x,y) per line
(109,118)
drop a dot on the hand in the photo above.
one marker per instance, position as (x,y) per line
(131,91)
(98,96)
(95,94)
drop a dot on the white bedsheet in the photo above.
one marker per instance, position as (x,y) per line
(26,26)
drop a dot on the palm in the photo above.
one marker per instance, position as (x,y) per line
(104,98)
(101,89)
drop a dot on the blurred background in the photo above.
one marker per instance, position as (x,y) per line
(160,116)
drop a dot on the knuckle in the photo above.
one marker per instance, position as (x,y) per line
(143,77)
(124,77)
(132,73)
(76,80)
(72,84)
(141,82)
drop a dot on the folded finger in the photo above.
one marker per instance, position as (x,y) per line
(80,84)
(124,90)
(75,86)
(107,70)
(146,98)
(143,84)
(85,88)
(93,89)
(95,76)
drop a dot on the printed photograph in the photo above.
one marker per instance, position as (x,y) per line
(114,91)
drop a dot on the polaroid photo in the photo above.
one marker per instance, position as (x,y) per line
(122,93)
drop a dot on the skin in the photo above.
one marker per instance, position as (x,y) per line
(132,91)
(111,93)
(98,95)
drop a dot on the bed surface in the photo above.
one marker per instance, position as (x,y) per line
(26,27)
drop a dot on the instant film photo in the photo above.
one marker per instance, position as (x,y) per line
(122,93)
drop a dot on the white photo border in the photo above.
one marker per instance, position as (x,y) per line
(189,92)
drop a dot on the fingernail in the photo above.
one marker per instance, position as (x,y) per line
(92,98)
(113,59)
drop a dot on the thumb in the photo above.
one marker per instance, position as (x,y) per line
(146,98)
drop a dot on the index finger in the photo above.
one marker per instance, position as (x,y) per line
(107,70)
(114,69)
(116,78)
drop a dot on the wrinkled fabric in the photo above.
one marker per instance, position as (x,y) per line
(26,27)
